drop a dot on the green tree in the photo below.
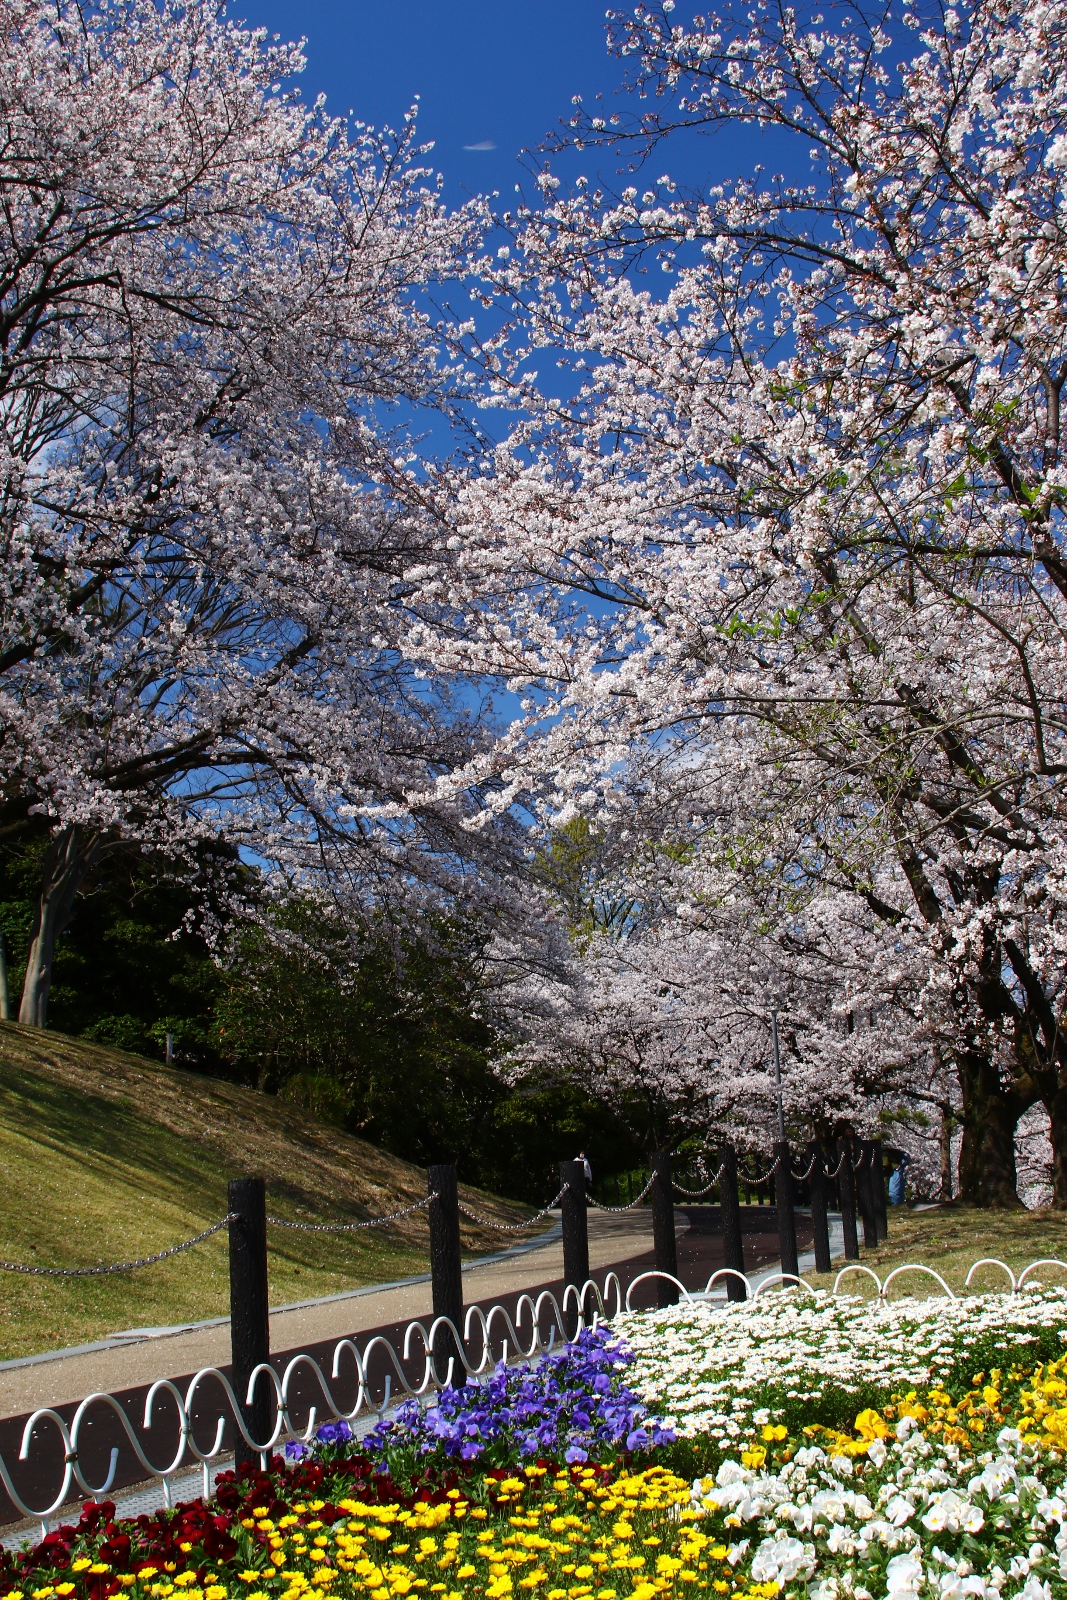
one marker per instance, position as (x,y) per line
(130,966)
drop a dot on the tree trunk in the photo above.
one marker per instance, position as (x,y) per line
(990,1115)
(1056,1106)
(5,992)
(948,1123)
(70,856)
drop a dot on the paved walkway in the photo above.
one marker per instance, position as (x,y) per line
(121,1363)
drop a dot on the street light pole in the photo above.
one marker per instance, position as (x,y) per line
(778,1077)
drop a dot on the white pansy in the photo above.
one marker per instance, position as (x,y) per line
(995,1477)
(780,1559)
(904,1575)
(949,1510)
(899,1510)
(953,1587)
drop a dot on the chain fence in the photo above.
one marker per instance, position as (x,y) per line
(744,1179)
(765,1177)
(119,1266)
(697,1194)
(208,1233)
(351,1227)
(635,1202)
(748,1180)
(513,1227)
(802,1177)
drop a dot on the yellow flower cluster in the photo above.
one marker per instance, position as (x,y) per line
(582,1535)
(1039,1411)
(1043,1414)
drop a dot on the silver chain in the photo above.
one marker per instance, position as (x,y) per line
(597,1206)
(695,1194)
(350,1227)
(802,1177)
(514,1227)
(837,1170)
(764,1178)
(119,1266)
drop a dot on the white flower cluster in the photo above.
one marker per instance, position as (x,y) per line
(717,1369)
(911,1518)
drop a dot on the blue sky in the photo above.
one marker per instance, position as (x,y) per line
(489,72)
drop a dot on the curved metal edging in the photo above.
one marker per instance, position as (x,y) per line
(991,1261)
(42,1414)
(783,1278)
(589,1303)
(1049,1261)
(487,1333)
(656,1274)
(579,1297)
(915,1266)
(854,1266)
(610,1281)
(729,1272)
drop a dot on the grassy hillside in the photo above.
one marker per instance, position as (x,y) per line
(951,1239)
(106,1156)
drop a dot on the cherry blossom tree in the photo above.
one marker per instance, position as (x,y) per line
(804,506)
(213,359)
(667,1018)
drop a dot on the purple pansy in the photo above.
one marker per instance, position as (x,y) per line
(572,1406)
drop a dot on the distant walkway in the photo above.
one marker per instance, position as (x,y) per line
(65,1376)
(616,1240)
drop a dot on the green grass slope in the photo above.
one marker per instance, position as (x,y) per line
(105,1156)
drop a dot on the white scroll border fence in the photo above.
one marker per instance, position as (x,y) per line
(589,1305)
(791,1281)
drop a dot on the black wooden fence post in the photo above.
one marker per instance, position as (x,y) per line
(446,1269)
(817,1188)
(666,1243)
(846,1181)
(787,1222)
(249,1311)
(575,1219)
(881,1215)
(865,1194)
(733,1247)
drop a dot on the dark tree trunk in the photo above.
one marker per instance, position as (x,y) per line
(990,1115)
(5,993)
(1056,1106)
(71,854)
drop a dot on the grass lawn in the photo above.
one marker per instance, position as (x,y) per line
(950,1239)
(106,1156)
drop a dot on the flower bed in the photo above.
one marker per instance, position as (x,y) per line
(710,1369)
(953,1484)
